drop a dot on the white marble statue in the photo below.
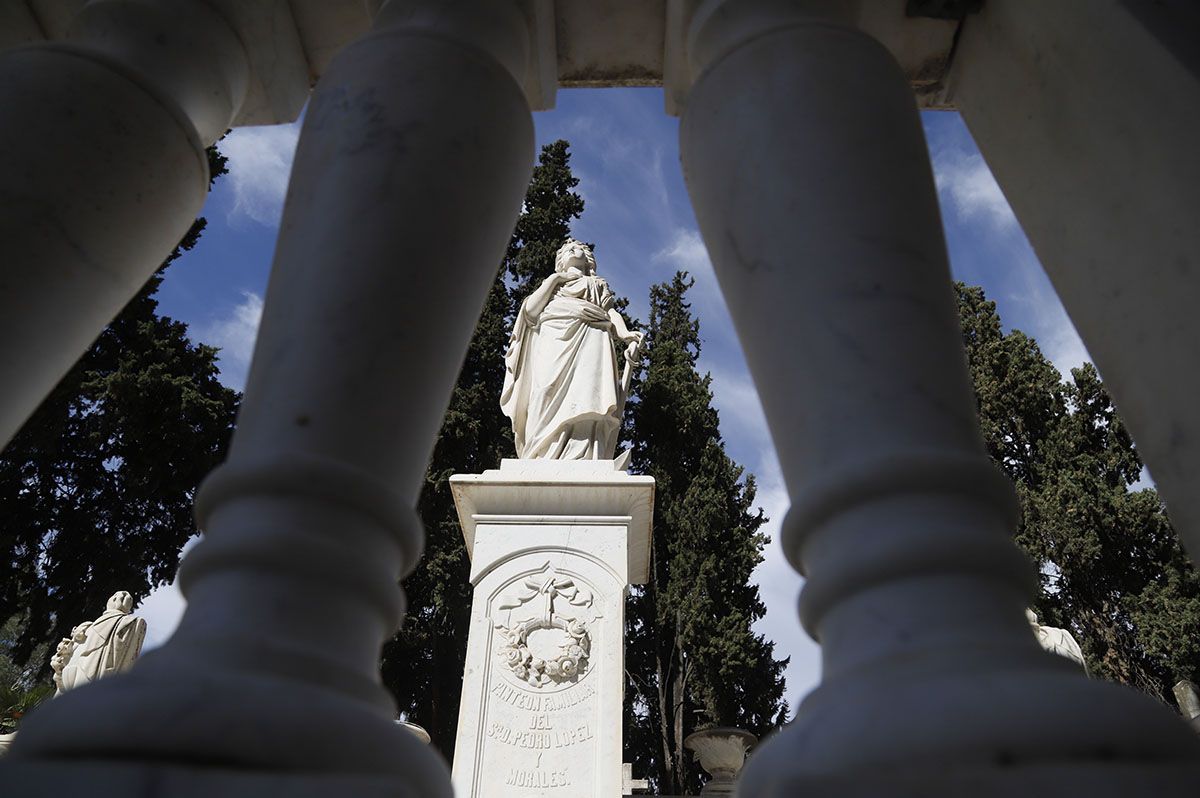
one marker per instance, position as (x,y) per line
(109,644)
(1056,641)
(562,388)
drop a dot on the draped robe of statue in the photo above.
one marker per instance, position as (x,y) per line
(106,645)
(561,386)
(1056,641)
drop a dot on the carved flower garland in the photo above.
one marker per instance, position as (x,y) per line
(573,649)
(570,662)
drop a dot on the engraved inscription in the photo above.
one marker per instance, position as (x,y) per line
(542,703)
(539,740)
(522,777)
(518,698)
(540,726)
(567,699)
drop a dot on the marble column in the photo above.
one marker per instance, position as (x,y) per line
(806,163)
(415,153)
(102,151)
(1088,115)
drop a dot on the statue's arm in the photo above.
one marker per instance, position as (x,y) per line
(620,331)
(536,302)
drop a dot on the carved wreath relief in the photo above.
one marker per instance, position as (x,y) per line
(544,638)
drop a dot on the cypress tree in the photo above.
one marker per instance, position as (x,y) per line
(692,657)
(1112,570)
(96,488)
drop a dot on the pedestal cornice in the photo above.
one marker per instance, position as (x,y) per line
(551,492)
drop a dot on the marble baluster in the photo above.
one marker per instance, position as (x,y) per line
(806,163)
(102,150)
(1096,160)
(412,164)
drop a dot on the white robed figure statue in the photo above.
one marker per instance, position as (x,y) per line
(95,649)
(562,388)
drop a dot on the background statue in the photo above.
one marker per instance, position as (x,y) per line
(1056,641)
(97,648)
(1188,698)
(561,385)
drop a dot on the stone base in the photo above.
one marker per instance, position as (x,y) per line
(554,546)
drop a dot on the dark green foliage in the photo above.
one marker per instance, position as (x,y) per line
(96,489)
(1019,391)
(544,224)
(1112,569)
(422,665)
(16,700)
(20,689)
(691,656)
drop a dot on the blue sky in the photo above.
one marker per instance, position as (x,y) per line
(625,153)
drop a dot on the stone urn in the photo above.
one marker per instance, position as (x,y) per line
(721,751)
(418,731)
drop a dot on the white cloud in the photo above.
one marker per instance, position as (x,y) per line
(643,169)
(743,422)
(163,608)
(624,181)
(684,250)
(235,334)
(260,163)
(1050,325)
(970,197)
(1065,349)
(965,184)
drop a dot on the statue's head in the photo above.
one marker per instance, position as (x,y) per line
(575,254)
(121,600)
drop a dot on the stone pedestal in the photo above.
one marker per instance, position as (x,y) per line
(553,546)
